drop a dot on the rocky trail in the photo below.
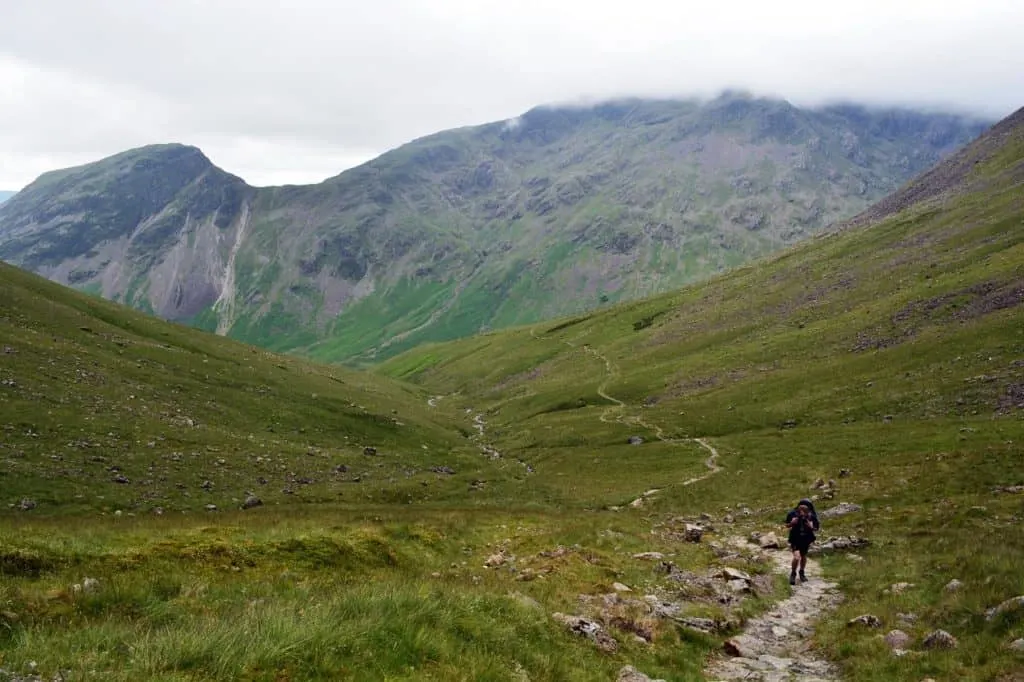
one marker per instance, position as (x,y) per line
(775,646)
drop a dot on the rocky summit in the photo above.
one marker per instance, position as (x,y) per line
(560,210)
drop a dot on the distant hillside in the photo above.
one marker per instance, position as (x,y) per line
(103,408)
(560,210)
(5,195)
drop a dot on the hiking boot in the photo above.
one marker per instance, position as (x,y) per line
(803,578)
(792,578)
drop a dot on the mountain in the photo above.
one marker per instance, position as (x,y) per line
(557,211)
(5,195)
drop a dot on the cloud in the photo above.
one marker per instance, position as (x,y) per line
(286,89)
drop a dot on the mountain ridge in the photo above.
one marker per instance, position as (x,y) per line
(556,211)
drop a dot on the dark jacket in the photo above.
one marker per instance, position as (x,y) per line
(800,533)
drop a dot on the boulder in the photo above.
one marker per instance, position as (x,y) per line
(369,451)
(635,440)
(953,585)
(1016,645)
(898,588)
(1013,605)
(769,541)
(730,573)
(738,586)
(897,639)
(744,646)
(649,556)
(251,501)
(939,639)
(693,533)
(619,587)
(27,504)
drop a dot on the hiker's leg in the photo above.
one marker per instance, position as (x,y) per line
(796,558)
(803,558)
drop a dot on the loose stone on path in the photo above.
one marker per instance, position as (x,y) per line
(775,647)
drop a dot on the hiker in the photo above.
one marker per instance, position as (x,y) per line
(802,522)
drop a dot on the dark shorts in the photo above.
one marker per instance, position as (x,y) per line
(800,544)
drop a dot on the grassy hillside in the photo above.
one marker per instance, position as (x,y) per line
(129,447)
(894,351)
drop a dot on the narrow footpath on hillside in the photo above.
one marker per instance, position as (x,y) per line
(775,646)
(616,413)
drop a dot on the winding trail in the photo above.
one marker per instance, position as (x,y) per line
(616,414)
(775,646)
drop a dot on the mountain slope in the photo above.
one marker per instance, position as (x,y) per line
(554,212)
(4,195)
(103,408)
(881,366)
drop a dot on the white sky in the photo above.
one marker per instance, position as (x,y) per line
(297,90)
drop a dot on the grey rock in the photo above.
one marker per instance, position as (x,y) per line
(589,629)
(897,639)
(705,625)
(27,504)
(1013,605)
(210,507)
(631,674)
(251,501)
(121,478)
(939,639)
(649,556)
(953,585)
(769,541)
(369,451)
(840,543)
(693,533)
(843,473)
(1016,645)
(730,573)
(635,440)
(841,509)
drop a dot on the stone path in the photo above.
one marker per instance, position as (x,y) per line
(775,647)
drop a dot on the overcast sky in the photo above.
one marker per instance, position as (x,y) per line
(281,91)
